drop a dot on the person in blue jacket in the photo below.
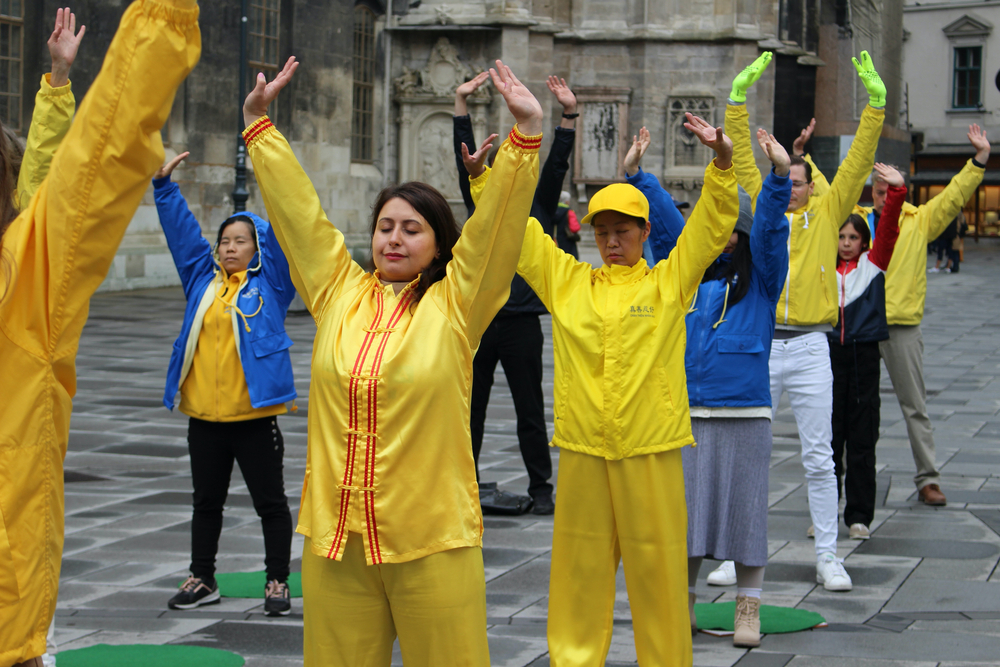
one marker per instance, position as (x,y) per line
(234,373)
(729,328)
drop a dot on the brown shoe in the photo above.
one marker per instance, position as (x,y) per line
(931,495)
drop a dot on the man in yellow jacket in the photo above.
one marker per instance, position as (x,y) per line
(621,415)
(905,291)
(55,254)
(800,356)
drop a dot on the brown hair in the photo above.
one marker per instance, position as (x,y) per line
(431,204)
(11,153)
(861,227)
(796,159)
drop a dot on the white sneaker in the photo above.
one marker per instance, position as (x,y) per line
(724,575)
(859,531)
(831,573)
(811,532)
(934,269)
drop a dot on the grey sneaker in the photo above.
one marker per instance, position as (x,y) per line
(859,531)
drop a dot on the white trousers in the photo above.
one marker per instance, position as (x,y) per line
(801,366)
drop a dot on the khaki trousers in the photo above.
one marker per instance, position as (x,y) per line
(354,611)
(634,511)
(903,354)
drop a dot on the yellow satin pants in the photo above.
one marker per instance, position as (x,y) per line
(632,510)
(354,611)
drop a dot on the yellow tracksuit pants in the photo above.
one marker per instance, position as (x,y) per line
(631,510)
(354,611)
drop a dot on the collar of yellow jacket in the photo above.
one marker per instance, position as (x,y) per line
(387,286)
(617,274)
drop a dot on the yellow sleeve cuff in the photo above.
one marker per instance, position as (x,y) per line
(47,88)
(257,129)
(523,142)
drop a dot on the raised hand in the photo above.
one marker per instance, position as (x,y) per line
(799,145)
(520,102)
(714,138)
(563,93)
(639,145)
(63,45)
(871,79)
(166,169)
(890,175)
(264,93)
(977,137)
(474,163)
(775,152)
(472,85)
(748,77)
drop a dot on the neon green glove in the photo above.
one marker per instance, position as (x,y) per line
(748,77)
(871,79)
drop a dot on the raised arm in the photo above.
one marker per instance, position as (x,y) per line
(769,234)
(191,253)
(462,133)
(712,220)
(888,227)
(546,268)
(556,165)
(54,108)
(64,241)
(320,264)
(943,208)
(738,126)
(665,222)
(485,258)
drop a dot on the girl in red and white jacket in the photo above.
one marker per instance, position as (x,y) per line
(854,353)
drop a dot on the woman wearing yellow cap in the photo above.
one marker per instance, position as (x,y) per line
(618,335)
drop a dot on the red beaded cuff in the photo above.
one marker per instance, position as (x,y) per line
(524,142)
(256,129)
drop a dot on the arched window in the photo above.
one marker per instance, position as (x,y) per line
(362,119)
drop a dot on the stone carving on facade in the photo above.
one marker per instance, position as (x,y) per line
(685,154)
(602,134)
(426,99)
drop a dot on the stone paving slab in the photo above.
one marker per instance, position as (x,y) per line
(927,584)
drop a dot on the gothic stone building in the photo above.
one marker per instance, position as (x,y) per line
(372,101)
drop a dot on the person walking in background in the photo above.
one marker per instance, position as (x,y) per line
(854,354)
(234,373)
(390,506)
(905,292)
(800,353)
(567,227)
(729,330)
(618,330)
(53,256)
(514,338)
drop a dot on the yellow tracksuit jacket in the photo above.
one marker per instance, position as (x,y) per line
(390,450)
(906,279)
(59,249)
(618,333)
(50,121)
(809,295)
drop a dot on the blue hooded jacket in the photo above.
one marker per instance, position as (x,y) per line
(728,348)
(263,350)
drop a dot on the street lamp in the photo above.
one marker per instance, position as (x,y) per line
(240,193)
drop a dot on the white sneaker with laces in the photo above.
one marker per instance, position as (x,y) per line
(933,269)
(831,573)
(724,575)
(859,531)
(811,532)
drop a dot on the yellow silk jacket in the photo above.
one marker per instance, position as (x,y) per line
(618,333)
(906,279)
(809,295)
(59,249)
(390,453)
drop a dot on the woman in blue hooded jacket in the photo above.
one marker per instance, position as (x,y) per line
(729,329)
(234,373)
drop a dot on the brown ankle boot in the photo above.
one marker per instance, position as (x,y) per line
(747,622)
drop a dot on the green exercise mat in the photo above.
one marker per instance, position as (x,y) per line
(773,620)
(147,655)
(251,584)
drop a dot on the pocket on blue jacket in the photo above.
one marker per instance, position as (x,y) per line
(740,344)
(266,345)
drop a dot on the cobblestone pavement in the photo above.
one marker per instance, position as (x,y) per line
(927,589)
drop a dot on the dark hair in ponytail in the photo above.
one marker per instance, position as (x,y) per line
(738,269)
(434,208)
(11,152)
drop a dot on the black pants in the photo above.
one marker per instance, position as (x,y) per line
(516,342)
(258,447)
(856,406)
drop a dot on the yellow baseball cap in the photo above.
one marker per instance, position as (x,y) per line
(620,197)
